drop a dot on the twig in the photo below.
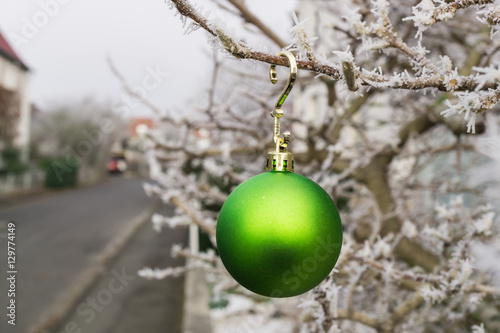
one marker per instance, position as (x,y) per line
(357,316)
(188,254)
(403,310)
(185,9)
(129,90)
(248,16)
(484,289)
(400,275)
(195,218)
(447,11)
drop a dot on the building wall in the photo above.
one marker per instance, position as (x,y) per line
(311,96)
(16,79)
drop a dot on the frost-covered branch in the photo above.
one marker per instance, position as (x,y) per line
(426,13)
(366,78)
(183,206)
(159,274)
(187,10)
(490,16)
(209,229)
(357,316)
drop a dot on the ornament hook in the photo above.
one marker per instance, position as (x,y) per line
(291,78)
(280,159)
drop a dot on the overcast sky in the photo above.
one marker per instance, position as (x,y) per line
(65,43)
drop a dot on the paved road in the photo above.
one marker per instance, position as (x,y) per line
(60,235)
(122,302)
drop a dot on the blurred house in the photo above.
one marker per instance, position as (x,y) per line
(203,138)
(132,148)
(15,112)
(136,134)
(138,127)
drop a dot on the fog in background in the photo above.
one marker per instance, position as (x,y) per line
(65,43)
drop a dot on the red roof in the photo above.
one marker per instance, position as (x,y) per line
(134,122)
(7,51)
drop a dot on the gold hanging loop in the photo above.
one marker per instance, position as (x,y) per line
(291,78)
(280,159)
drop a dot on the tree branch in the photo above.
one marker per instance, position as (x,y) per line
(242,51)
(248,16)
(357,316)
(185,8)
(447,11)
(195,218)
(403,310)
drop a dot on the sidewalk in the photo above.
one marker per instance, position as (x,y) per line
(196,304)
(25,195)
(14,198)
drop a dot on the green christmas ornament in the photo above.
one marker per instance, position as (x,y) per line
(279,234)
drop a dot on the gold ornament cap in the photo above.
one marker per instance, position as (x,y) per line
(280,161)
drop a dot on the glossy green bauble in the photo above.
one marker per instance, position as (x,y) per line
(279,234)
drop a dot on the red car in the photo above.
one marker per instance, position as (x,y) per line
(117,165)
